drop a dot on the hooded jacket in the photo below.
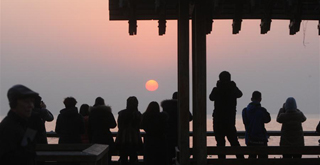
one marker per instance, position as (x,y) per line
(69,126)
(254,117)
(291,130)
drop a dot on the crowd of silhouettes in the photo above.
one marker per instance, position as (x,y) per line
(24,126)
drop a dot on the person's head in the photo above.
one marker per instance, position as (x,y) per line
(153,107)
(21,100)
(84,110)
(256,96)
(132,102)
(175,95)
(290,104)
(70,102)
(99,101)
(225,76)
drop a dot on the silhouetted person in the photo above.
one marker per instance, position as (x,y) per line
(225,96)
(84,112)
(38,118)
(70,124)
(17,145)
(291,130)
(254,117)
(154,124)
(101,120)
(170,107)
(129,140)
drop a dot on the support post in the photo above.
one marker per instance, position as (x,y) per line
(183,82)
(199,83)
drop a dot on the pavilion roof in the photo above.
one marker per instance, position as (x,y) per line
(237,10)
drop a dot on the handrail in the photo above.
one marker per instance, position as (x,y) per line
(211,133)
(84,153)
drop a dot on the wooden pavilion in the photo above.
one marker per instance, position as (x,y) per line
(203,13)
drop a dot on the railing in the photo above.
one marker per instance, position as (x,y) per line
(211,133)
(270,150)
(86,154)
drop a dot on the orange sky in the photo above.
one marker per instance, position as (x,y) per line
(69,48)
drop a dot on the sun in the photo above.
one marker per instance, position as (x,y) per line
(152,85)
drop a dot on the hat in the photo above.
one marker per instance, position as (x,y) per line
(20,91)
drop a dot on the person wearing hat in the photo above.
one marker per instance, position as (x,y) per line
(225,96)
(291,119)
(17,145)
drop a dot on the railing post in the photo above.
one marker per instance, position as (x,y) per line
(199,84)
(183,81)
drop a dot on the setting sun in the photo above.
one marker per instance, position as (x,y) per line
(152,85)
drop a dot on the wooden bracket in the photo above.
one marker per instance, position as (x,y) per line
(295,12)
(237,19)
(132,17)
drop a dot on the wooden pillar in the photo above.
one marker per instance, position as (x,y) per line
(183,82)
(199,84)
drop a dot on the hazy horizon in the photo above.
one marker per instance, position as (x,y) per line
(70,48)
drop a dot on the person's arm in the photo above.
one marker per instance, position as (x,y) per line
(213,94)
(280,115)
(303,117)
(244,117)
(318,127)
(238,92)
(45,114)
(266,117)
(112,121)
(57,129)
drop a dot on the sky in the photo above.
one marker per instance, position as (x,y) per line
(62,48)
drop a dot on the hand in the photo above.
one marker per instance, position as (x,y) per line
(43,105)
(218,83)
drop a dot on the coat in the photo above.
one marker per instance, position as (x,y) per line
(154,141)
(225,101)
(69,126)
(254,117)
(291,130)
(85,136)
(129,130)
(170,107)
(101,120)
(12,151)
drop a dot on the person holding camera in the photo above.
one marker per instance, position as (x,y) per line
(291,119)
(39,116)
